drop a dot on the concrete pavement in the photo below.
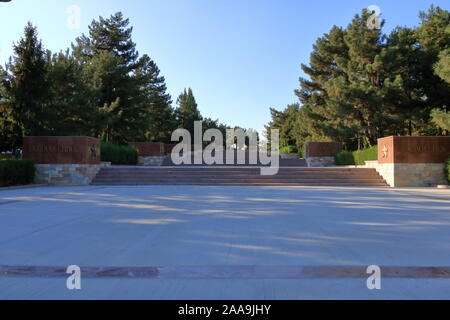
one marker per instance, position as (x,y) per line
(224,227)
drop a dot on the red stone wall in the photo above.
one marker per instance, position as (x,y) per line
(169,147)
(413,149)
(148,149)
(322,149)
(62,150)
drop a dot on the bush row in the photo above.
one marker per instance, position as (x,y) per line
(357,157)
(16,172)
(118,154)
(288,149)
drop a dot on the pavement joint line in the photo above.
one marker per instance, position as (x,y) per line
(228,272)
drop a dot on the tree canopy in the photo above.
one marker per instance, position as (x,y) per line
(362,85)
(99,87)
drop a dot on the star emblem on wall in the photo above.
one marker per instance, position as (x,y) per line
(385,151)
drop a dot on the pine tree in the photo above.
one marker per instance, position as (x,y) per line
(158,112)
(434,39)
(442,67)
(114,35)
(132,102)
(27,86)
(286,122)
(110,61)
(187,112)
(320,118)
(10,131)
(70,99)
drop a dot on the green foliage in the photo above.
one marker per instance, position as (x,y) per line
(16,172)
(159,115)
(442,67)
(344,158)
(118,154)
(441,119)
(447,169)
(26,85)
(362,85)
(187,112)
(101,88)
(362,156)
(356,157)
(285,121)
(288,149)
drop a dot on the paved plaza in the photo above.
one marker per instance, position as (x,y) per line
(203,242)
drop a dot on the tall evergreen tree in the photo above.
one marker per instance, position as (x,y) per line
(111,60)
(187,112)
(10,131)
(434,39)
(70,99)
(27,86)
(442,67)
(363,85)
(319,117)
(286,122)
(158,112)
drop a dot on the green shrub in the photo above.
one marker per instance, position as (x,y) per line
(344,158)
(356,157)
(288,149)
(447,169)
(16,172)
(118,154)
(362,156)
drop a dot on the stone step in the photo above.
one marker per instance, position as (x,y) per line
(238,176)
(249,181)
(236,173)
(315,184)
(235,177)
(224,170)
(252,178)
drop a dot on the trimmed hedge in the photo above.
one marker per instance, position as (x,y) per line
(357,157)
(118,154)
(16,172)
(447,169)
(288,149)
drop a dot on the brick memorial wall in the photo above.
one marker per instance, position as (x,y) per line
(148,149)
(62,150)
(64,160)
(321,154)
(412,161)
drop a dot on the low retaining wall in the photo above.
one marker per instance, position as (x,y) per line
(320,162)
(151,161)
(67,174)
(410,174)
(289,156)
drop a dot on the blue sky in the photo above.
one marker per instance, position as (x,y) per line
(240,57)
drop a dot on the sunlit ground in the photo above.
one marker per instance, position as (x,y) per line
(219,227)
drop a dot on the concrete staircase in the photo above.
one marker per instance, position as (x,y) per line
(238,176)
